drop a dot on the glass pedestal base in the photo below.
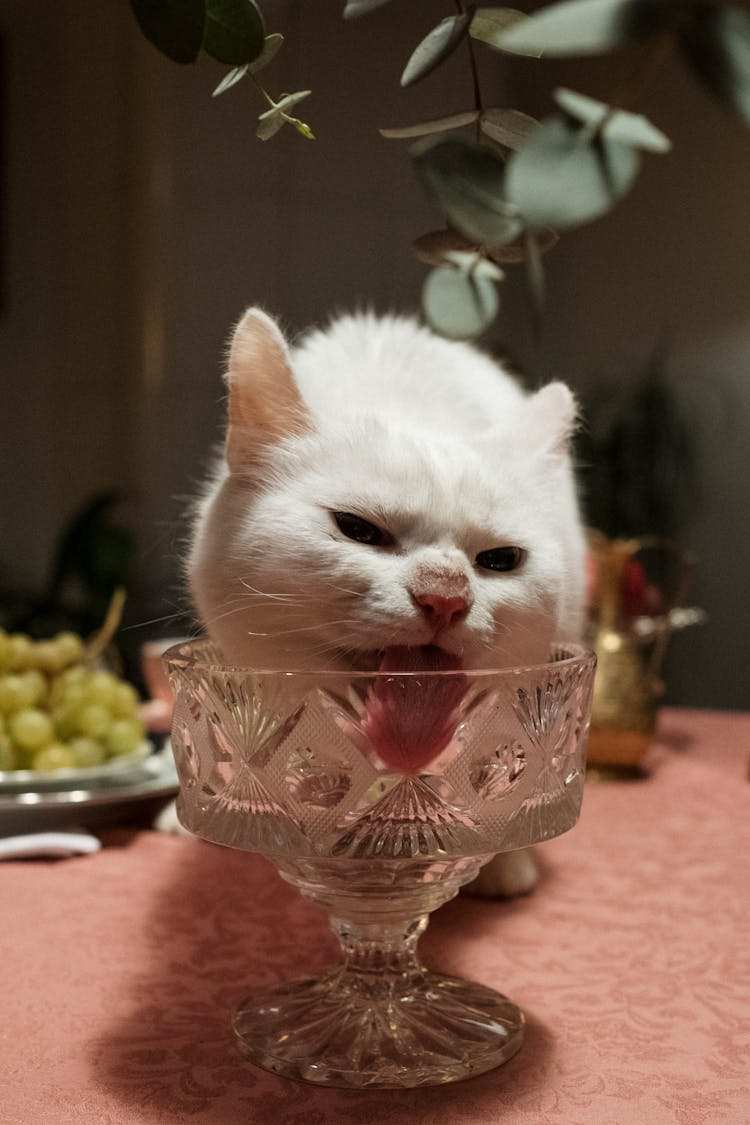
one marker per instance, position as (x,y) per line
(337,1030)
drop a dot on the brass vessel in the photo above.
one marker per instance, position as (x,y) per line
(630,632)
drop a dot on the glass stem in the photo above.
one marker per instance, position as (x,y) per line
(380,956)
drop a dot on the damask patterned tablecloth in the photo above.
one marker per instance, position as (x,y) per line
(118,971)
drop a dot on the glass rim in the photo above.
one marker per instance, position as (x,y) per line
(182,657)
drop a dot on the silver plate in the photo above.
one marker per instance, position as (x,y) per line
(133,801)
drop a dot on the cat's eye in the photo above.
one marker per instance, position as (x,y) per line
(501,558)
(361,530)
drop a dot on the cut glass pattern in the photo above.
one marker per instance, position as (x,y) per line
(279,762)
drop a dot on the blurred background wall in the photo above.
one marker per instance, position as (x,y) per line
(140,216)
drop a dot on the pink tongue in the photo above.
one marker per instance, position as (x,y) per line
(411,719)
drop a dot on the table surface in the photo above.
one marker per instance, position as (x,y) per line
(118,971)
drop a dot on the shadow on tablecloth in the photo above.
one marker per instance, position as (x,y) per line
(209,925)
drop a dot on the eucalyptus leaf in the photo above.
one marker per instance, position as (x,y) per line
(278,115)
(269,124)
(458,305)
(509,127)
(489,24)
(271,46)
(586,27)
(467,180)
(544,239)
(562,178)
(437,46)
(174,27)
(716,43)
(474,263)
(436,247)
(427,128)
(286,101)
(360,7)
(618,124)
(234,32)
(231,79)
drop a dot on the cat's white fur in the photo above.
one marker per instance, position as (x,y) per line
(428,439)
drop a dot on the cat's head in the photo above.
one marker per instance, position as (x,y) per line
(331,539)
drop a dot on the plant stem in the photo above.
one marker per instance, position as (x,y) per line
(264,93)
(478,104)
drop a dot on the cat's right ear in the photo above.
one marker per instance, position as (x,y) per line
(265,405)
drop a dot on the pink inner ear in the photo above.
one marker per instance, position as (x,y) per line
(549,419)
(264,402)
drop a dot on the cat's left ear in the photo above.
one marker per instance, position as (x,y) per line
(265,405)
(550,420)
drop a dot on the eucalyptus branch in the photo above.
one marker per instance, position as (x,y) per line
(478,103)
(502,204)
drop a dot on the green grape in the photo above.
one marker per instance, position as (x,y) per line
(20,648)
(48,657)
(94,720)
(15,693)
(125,701)
(75,674)
(67,692)
(31,728)
(100,687)
(70,647)
(36,686)
(56,711)
(65,720)
(87,752)
(124,736)
(55,756)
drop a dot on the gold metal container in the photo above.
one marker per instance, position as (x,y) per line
(630,635)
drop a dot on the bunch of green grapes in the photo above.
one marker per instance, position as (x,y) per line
(59,712)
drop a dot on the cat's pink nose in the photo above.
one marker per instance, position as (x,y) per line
(440,609)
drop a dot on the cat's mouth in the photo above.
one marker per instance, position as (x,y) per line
(408,658)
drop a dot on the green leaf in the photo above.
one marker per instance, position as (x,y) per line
(270,50)
(586,27)
(489,24)
(509,127)
(467,180)
(231,79)
(277,116)
(286,101)
(474,263)
(175,27)
(271,47)
(618,124)
(563,178)
(519,249)
(427,128)
(234,32)
(360,7)
(269,124)
(716,43)
(437,46)
(458,305)
(435,247)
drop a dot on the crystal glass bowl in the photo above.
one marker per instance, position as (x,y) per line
(379,795)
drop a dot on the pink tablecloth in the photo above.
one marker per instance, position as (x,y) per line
(118,971)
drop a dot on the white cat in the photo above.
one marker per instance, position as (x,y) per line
(386,491)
